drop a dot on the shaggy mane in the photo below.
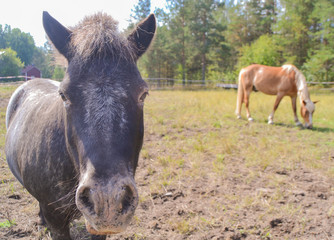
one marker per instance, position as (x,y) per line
(98,36)
(300,81)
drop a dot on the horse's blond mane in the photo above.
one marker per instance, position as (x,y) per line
(300,81)
(98,36)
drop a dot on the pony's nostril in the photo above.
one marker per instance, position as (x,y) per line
(127,201)
(86,199)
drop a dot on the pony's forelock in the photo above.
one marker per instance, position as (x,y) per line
(98,36)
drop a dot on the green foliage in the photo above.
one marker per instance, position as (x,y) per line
(22,43)
(179,32)
(320,63)
(231,76)
(320,66)
(24,46)
(43,60)
(205,31)
(10,64)
(160,55)
(248,20)
(207,39)
(58,73)
(293,27)
(213,39)
(141,10)
(186,36)
(262,51)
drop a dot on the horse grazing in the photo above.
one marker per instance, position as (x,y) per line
(280,81)
(74,145)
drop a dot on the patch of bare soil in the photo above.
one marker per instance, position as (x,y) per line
(305,207)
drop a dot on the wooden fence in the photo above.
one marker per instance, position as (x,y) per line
(15,78)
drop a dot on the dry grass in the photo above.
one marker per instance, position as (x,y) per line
(195,125)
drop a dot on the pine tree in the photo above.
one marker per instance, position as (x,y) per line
(179,33)
(293,29)
(320,65)
(202,25)
(141,11)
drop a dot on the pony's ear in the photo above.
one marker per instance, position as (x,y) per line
(142,36)
(59,35)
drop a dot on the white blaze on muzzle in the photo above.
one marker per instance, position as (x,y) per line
(310,106)
(309,124)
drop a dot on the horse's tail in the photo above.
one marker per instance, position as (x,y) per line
(240,96)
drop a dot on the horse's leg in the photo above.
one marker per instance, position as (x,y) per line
(240,97)
(57,223)
(277,102)
(41,217)
(246,99)
(294,108)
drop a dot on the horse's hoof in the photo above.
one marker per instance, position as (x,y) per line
(298,124)
(238,117)
(250,119)
(271,122)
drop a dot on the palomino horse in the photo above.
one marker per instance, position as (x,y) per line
(280,81)
(74,145)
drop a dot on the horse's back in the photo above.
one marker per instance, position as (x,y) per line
(267,79)
(254,69)
(26,101)
(28,93)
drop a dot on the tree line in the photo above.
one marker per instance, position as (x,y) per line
(210,40)
(18,49)
(213,39)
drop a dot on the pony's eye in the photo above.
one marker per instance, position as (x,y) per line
(66,102)
(63,97)
(142,97)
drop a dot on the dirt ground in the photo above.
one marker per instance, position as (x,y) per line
(242,202)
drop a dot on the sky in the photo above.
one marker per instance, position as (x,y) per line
(27,14)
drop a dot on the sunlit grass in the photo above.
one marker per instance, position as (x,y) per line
(212,128)
(6,90)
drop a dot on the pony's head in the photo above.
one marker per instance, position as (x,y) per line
(306,110)
(103,96)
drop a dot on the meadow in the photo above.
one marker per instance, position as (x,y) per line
(203,174)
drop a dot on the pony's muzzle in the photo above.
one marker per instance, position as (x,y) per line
(107,209)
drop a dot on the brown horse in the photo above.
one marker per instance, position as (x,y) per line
(280,81)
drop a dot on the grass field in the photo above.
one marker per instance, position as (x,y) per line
(203,174)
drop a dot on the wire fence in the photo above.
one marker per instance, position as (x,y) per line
(171,83)
(179,84)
